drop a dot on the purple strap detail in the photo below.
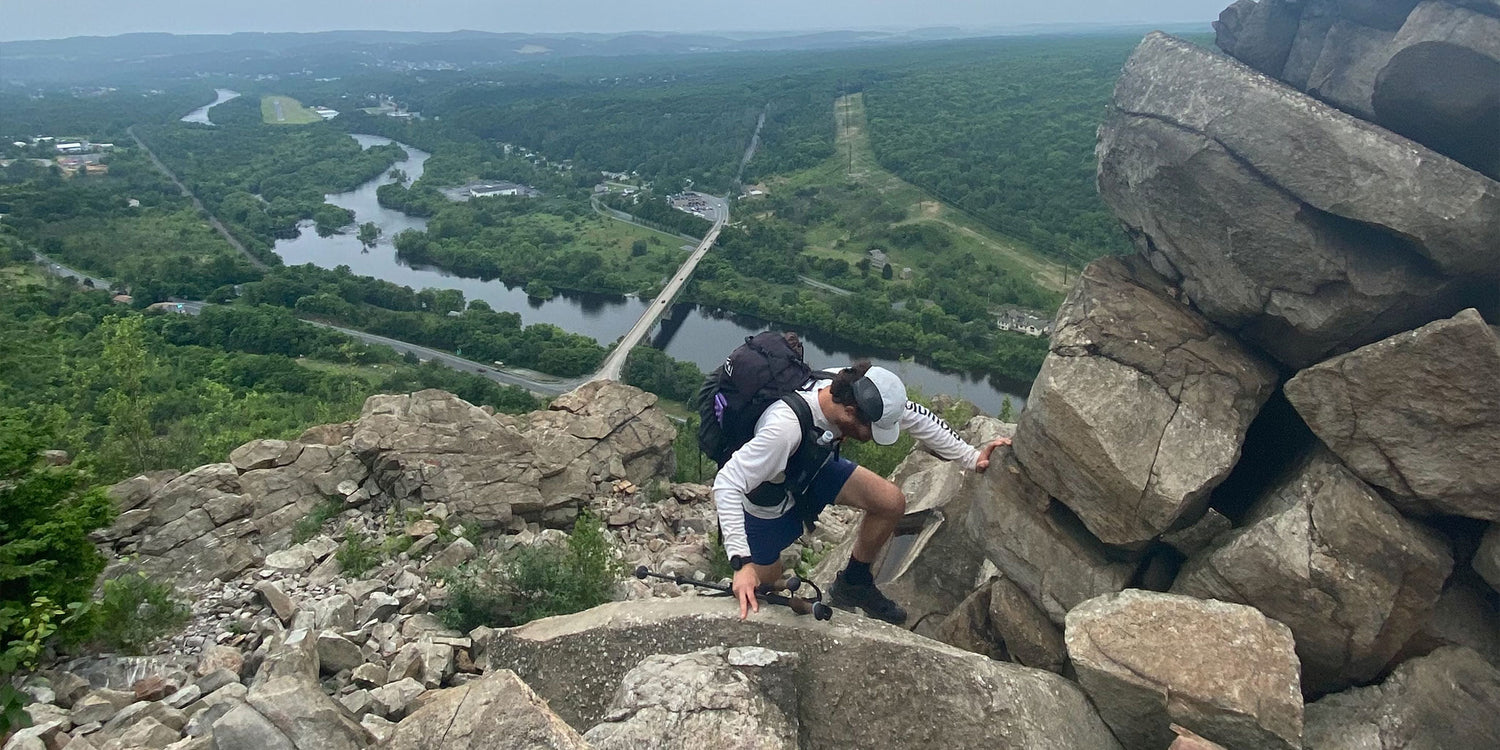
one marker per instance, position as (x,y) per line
(720,403)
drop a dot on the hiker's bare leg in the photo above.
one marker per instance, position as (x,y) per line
(769,574)
(883,504)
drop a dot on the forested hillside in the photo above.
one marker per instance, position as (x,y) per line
(1009,138)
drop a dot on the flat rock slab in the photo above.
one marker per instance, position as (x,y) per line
(1417,415)
(1224,671)
(861,683)
(1447,699)
(497,711)
(702,700)
(1120,338)
(1325,555)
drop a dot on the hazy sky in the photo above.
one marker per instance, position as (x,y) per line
(52,19)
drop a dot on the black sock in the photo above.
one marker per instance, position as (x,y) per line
(857,572)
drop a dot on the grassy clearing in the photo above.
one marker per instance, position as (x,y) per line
(284,110)
(852,177)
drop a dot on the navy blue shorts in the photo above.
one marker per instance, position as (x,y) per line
(769,536)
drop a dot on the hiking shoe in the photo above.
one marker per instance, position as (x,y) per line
(845,595)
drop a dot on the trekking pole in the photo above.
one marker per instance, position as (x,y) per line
(797,604)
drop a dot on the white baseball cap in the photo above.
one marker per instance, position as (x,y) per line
(880,397)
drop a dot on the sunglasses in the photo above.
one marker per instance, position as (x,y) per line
(867,401)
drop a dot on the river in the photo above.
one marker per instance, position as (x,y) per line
(690,333)
(200,115)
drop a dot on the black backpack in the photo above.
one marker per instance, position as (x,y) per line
(757,373)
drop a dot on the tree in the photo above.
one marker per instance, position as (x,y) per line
(886,272)
(368,233)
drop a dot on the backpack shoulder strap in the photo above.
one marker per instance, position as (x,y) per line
(803,412)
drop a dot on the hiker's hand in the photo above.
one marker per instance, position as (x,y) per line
(984,453)
(745,581)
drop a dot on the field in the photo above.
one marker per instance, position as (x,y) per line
(284,110)
(858,189)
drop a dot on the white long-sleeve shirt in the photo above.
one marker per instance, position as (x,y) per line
(778,434)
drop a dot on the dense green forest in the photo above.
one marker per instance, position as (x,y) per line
(158,248)
(126,391)
(1009,138)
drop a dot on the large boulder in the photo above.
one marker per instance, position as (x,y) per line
(432,446)
(1448,699)
(1440,84)
(1131,474)
(496,711)
(1344,74)
(1325,555)
(1291,224)
(861,683)
(1417,415)
(1225,671)
(1324,158)
(1037,542)
(706,699)
(306,715)
(1259,34)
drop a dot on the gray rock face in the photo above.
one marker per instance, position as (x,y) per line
(1131,474)
(1338,164)
(496,711)
(1344,75)
(1446,699)
(1044,549)
(1329,249)
(432,447)
(1487,559)
(1417,415)
(306,716)
(243,728)
(696,700)
(1325,555)
(426,448)
(861,684)
(1460,48)
(1224,671)
(1000,621)
(1259,34)
(264,454)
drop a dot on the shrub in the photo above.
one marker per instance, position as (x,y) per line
(309,525)
(533,582)
(134,611)
(358,554)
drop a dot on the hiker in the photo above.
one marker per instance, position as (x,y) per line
(778,482)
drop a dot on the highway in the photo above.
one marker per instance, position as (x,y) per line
(614,364)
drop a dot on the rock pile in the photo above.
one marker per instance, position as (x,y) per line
(1254,489)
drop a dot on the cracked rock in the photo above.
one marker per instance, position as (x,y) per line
(1132,473)
(1290,223)
(1417,415)
(1224,671)
(1328,557)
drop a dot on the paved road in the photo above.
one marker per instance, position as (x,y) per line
(541,385)
(58,269)
(614,364)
